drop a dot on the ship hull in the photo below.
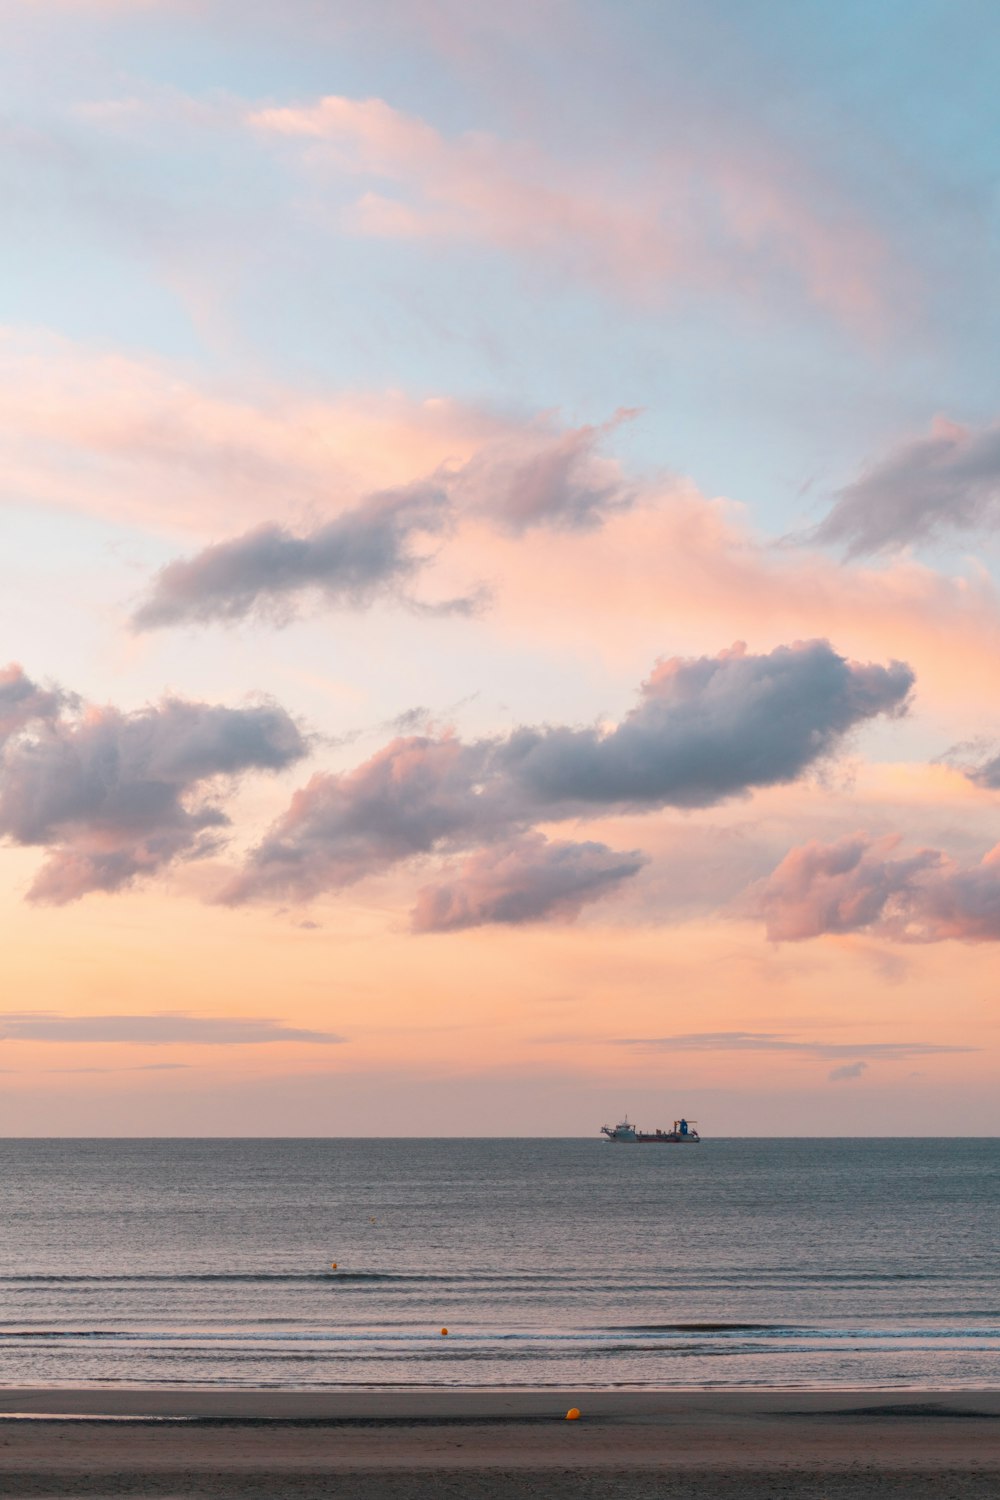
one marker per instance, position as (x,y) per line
(655,1140)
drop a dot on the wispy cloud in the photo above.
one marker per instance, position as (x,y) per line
(696,216)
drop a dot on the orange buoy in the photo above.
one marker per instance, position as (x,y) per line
(573,1415)
(443,1332)
(333,1265)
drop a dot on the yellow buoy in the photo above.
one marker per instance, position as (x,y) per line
(573,1415)
(443,1332)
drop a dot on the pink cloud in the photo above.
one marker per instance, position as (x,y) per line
(682,564)
(840,887)
(139,440)
(860,884)
(142,441)
(709,214)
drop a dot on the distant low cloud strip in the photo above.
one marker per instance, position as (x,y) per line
(154,1030)
(771,1041)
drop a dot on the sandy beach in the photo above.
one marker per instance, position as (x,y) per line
(411,1445)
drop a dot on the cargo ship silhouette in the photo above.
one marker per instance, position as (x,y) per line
(627,1134)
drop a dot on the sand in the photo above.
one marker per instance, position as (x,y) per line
(421,1445)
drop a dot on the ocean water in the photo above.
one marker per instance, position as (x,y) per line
(551,1262)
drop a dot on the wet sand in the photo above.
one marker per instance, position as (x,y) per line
(415,1445)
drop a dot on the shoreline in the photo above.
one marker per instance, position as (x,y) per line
(15,1390)
(195,1442)
(499,1445)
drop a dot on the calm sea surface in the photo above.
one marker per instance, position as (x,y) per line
(738,1262)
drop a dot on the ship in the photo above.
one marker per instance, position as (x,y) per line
(625,1133)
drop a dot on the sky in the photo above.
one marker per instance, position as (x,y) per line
(498,567)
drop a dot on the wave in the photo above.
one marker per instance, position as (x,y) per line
(520,1278)
(184,1277)
(696,1327)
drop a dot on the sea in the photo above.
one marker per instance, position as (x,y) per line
(563,1263)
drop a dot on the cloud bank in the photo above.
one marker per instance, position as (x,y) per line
(113,796)
(858,883)
(704,729)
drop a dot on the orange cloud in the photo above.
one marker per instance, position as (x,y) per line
(141,441)
(683,570)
